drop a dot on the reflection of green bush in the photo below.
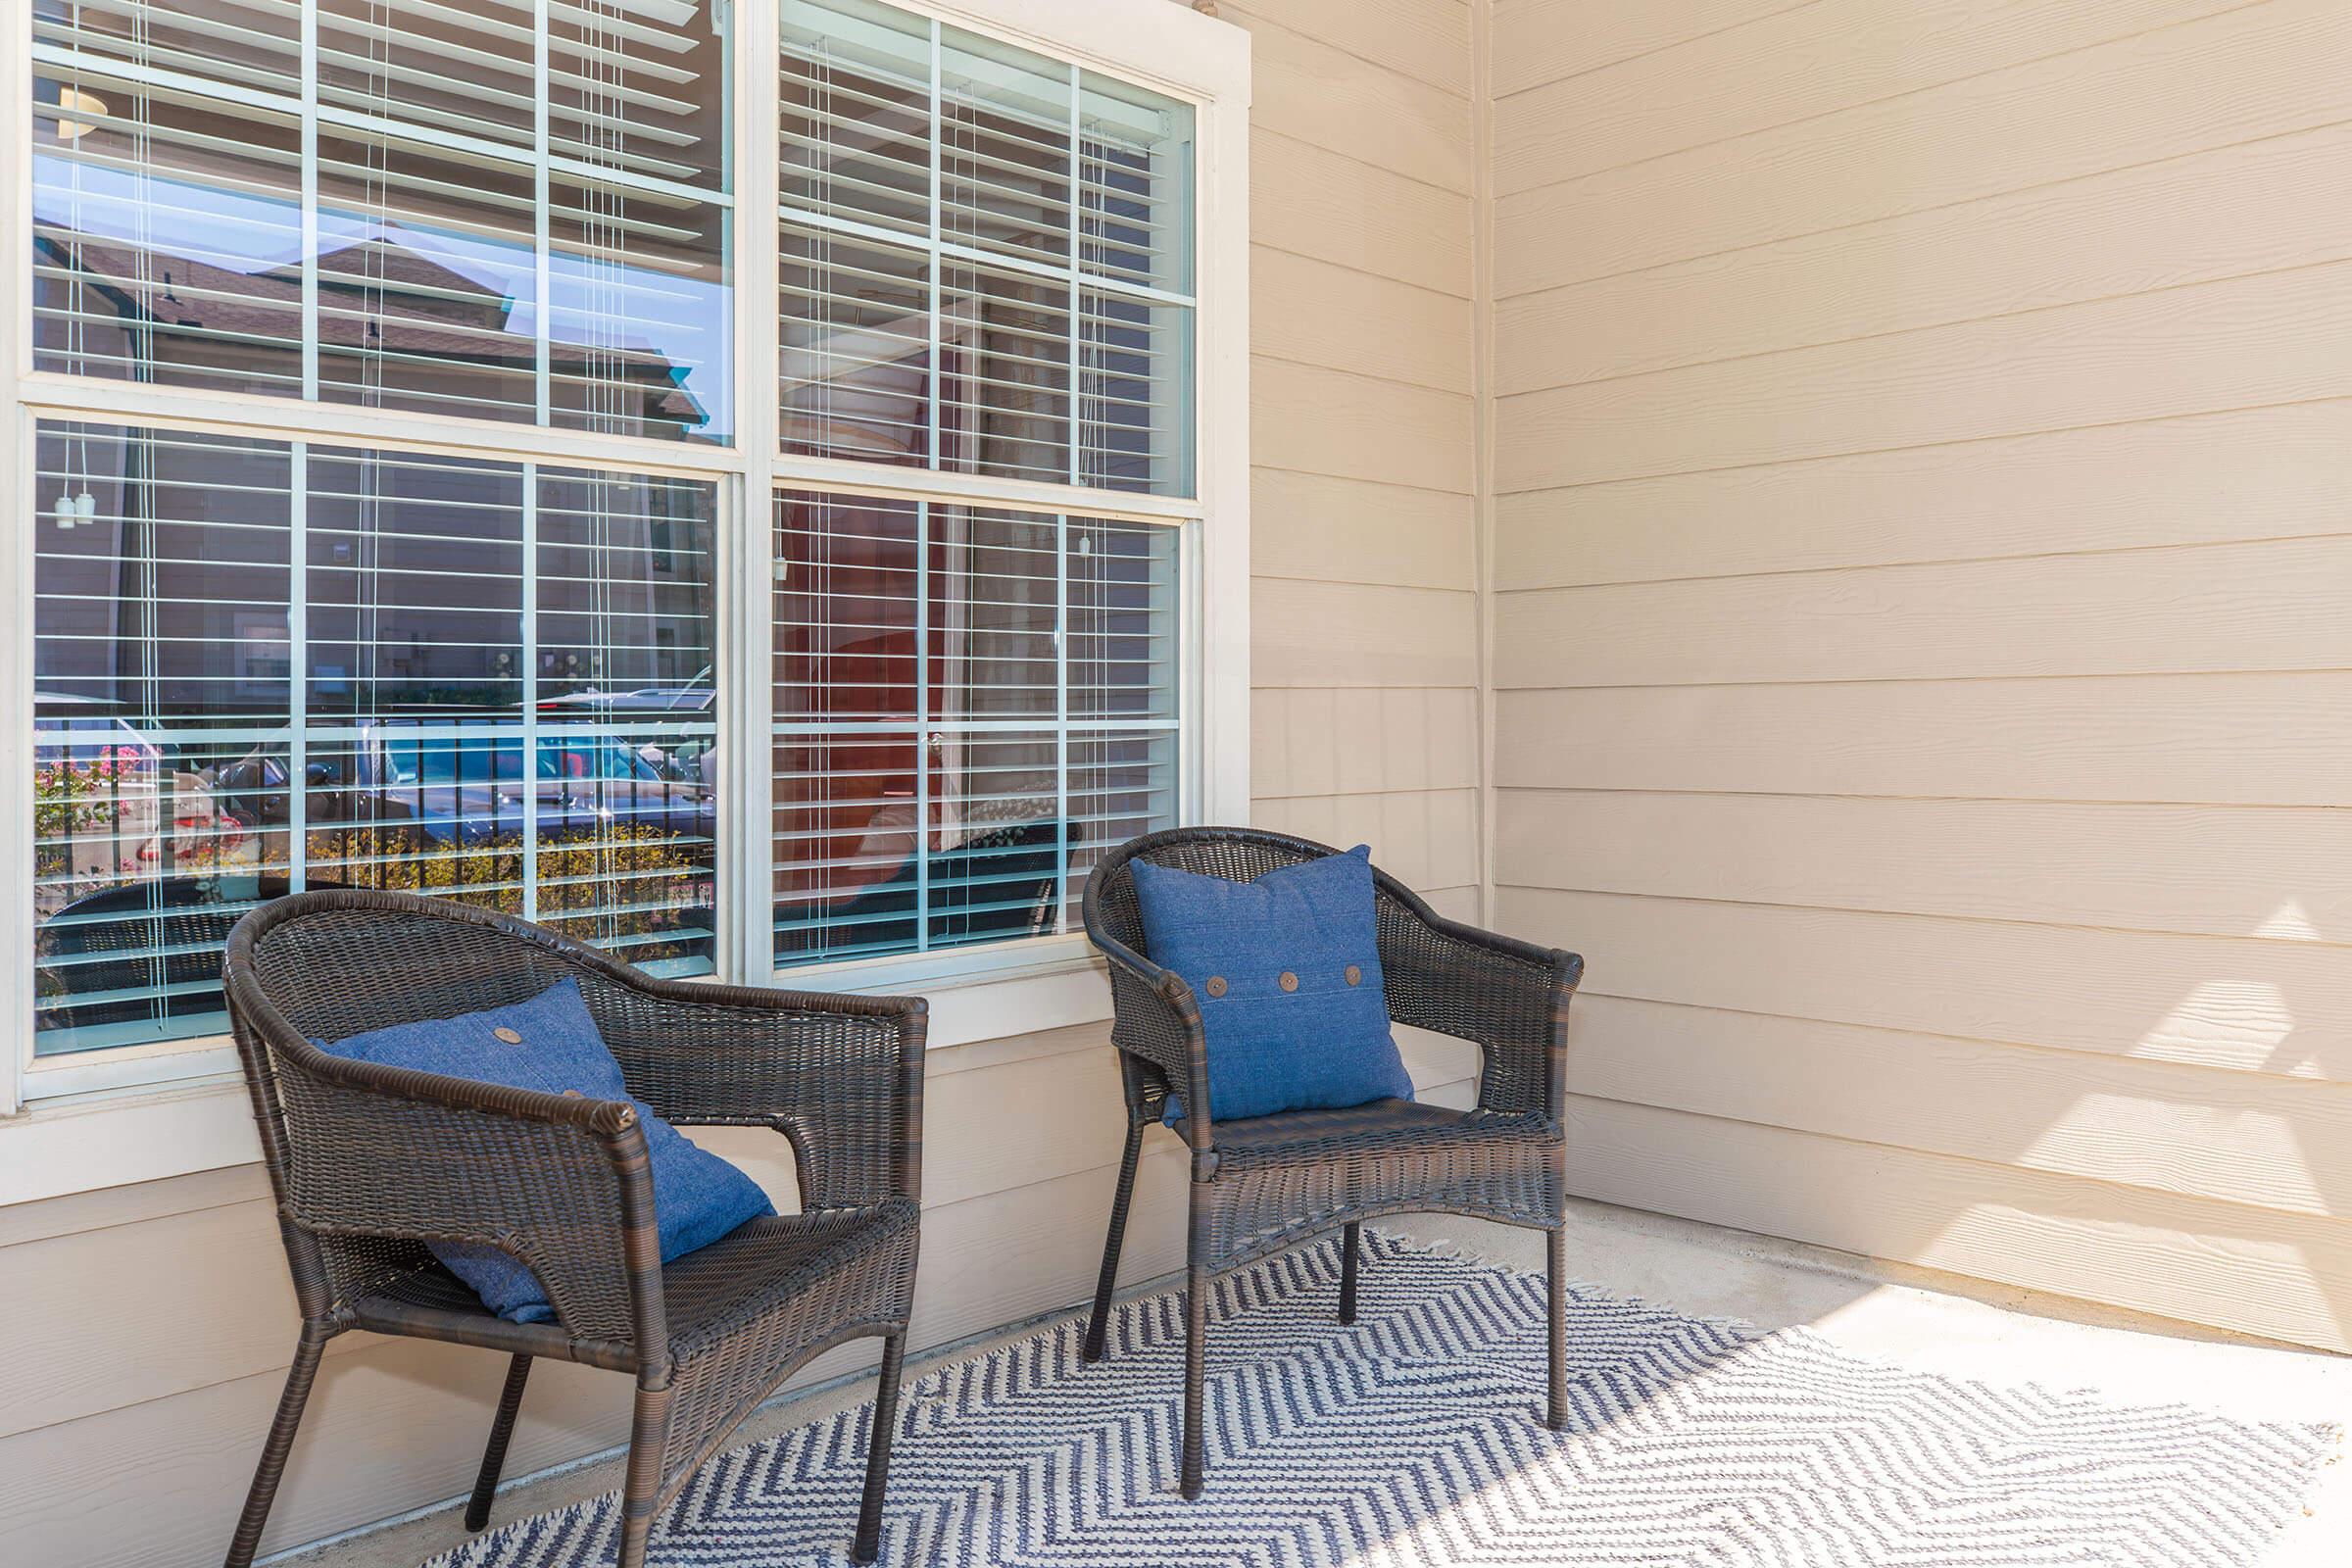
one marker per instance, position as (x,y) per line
(598,884)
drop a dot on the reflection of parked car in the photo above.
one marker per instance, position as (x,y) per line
(692,759)
(461,786)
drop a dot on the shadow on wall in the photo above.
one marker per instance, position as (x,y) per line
(2219,1129)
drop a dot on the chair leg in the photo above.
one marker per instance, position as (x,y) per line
(1099,1322)
(1556,1326)
(877,1449)
(1355,1230)
(1195,1337)
(274,1448)
(649,1429)
(494,1456)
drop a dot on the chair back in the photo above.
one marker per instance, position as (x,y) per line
(324,965)
(1236,854)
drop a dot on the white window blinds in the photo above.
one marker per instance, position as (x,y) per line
(987,257)
(403,204)
(969,707)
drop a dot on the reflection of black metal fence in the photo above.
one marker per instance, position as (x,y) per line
(142,869)
(995,886)
(143,952)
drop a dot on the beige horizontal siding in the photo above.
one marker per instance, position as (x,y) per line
(2276,337)
(2239,739)
(1427,40)
(1922,447)
(1541,41)
(1338,209)
(2254,1270)
(2192,608)
(2239,474)
(2243,1138)
(1328,528)
(2282,1008)
(1363,740)
(1788,66)
(2255,71)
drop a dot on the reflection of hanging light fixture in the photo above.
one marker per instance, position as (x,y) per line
(72,98)
(73,509)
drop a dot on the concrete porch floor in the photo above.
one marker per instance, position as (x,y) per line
(1913,1317)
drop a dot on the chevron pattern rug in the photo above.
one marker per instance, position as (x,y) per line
(1415,1438)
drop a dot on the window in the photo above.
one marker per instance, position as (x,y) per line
(421,491)
(987,257)
(261,665)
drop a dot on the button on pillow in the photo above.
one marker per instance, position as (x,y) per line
(550,1044)
(1285,970)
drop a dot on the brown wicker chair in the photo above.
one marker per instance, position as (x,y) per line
(369,1162)
(1269,1183)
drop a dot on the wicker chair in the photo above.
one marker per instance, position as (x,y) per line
(1269,1183)
(369,1162)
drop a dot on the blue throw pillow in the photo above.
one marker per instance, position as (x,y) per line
(1287,972)
(698,1197)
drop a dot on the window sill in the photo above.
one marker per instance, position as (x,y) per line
(102,1133)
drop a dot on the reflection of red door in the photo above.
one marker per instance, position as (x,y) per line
(848,720)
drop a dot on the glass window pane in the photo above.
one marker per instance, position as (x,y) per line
(263,665)
(162,677)
(473,255)
(855,138)
(995,617)
(166,232)
(855,379)
(1134,185)
(1004,149)
(627,824)
(846,739)
(1123,618)
(1004,373)
(988,257)
(428,276)
(969,707)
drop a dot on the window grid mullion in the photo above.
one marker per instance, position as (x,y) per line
(542,267)
(1061,721)
(528,784)
(309,154)
(923,719)
(298,667)
(931,260)
(1075,424)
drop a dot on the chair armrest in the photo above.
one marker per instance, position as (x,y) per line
(561,1182)
(1510,997)
(842,1076)
(1156,1019)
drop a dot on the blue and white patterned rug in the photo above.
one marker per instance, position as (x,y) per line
(1415,1438)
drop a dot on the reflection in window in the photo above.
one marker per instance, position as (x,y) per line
(263,665)
(987,257)
(467,255)
(969,707)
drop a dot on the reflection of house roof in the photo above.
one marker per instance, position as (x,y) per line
(414,307)
(381,265)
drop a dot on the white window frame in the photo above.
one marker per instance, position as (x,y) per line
(185,1093)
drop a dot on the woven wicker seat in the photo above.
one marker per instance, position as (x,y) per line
(368,1163)
(1271,1182)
